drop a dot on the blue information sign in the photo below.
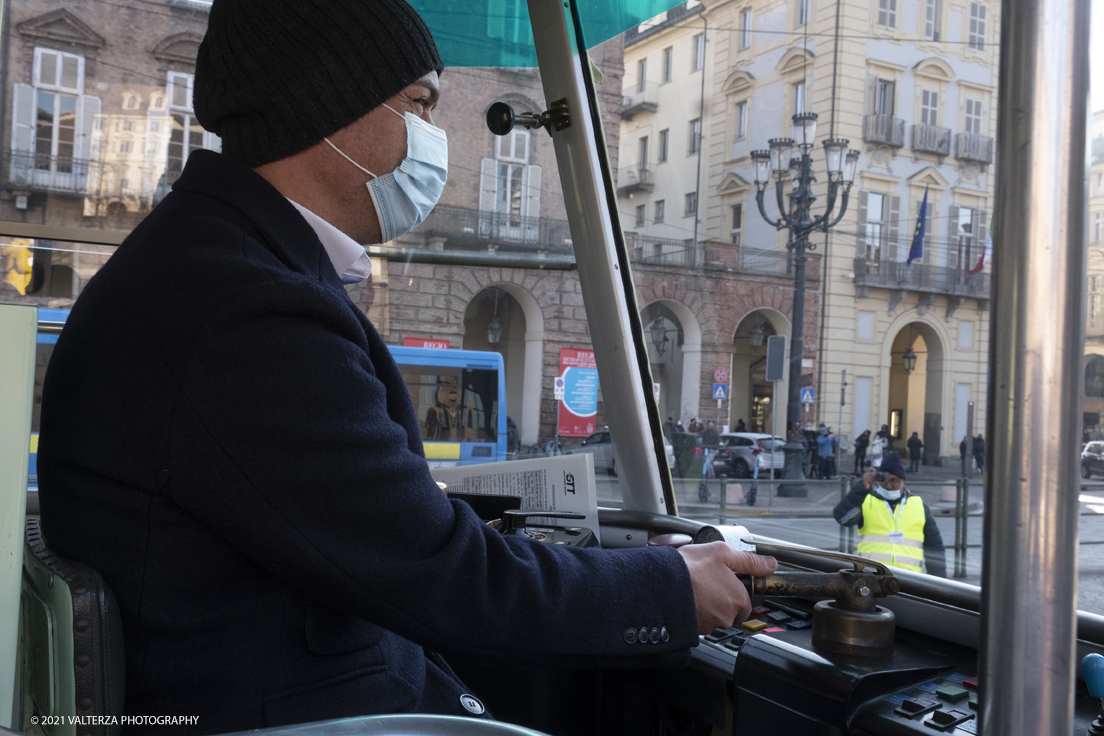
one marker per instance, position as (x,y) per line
(807,395)
(720,390)
(581,391)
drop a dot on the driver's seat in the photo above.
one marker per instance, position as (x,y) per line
(71,644)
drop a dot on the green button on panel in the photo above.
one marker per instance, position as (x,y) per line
(953,693)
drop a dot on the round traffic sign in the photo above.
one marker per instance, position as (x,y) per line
(720,375)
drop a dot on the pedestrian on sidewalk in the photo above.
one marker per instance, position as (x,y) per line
(915,445)
(861,443)
(963,452)
(886,436)
(826,450)
(979,454)
(895,527)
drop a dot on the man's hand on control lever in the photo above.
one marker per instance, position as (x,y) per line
(719,597)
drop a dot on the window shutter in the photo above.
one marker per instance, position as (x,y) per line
(872,95)
(70,72)
(90,110)
(48,67)
(894,222)
(952,238)
(23,117)
(891,98)
(532,197)
(23,125)
(862,225)
(981,219)
(488,178)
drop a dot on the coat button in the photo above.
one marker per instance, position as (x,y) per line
(664,635)
(655,635)
(472,705)
(630,635)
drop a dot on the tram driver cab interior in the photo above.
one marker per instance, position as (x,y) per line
(835,645)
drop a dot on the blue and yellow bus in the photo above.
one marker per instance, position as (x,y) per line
(459,395)
(460,399)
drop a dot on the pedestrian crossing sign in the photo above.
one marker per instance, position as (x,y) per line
(807,395)
(720,390)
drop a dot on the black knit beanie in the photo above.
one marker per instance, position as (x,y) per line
(274,77)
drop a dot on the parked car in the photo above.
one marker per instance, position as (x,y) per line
(600,444)
(1092,460)
(740,451)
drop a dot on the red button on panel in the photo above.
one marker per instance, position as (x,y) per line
(971,683)
(773,630)
(760,611)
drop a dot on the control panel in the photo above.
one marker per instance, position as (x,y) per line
(768,676)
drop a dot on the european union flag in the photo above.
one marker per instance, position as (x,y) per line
(917,249)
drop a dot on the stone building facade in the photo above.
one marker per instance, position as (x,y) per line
(912,85)
(98,122)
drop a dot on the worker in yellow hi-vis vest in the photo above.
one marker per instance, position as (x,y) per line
(895,526)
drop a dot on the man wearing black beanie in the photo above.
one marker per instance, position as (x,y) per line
(248,474)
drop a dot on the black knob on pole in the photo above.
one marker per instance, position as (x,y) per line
(500,118)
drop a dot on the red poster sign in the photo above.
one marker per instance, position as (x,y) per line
(578,408)
(426,342)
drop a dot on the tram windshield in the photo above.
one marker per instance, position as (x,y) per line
(896,323)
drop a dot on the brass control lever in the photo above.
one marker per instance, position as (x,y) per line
(853,623)
(853,591)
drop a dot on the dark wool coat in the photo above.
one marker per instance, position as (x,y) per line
(226,438)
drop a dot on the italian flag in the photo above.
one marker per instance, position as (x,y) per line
(987,253)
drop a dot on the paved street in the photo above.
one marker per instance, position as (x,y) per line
(786,518)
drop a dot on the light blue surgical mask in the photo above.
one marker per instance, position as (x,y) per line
(406,196)
(887,494)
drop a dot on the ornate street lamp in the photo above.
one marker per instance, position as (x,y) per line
(782,161)
(910,360)
(494,327)
(659,336)
(758,332)
(494,332)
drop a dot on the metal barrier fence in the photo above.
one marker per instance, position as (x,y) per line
(718,502)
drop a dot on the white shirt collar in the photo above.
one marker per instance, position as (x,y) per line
(349,258)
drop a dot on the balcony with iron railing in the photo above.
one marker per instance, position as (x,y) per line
(974,147)
(38,172)
(635,178)
(921,277)
(462,227)
(674,15)
(931,139)
(639,98)
(884,129)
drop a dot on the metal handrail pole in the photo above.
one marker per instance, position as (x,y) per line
(1037,328)
(724,502)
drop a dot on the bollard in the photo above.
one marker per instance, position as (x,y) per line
(843,544)
(965,521)
(959,552)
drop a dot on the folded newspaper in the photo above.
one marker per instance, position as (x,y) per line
(560,483)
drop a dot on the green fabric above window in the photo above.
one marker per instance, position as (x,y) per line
(497,32)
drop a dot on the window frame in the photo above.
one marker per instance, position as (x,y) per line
(694,134)
(690,204)
(660,211)
(886,16)
(933,20)
(976,23)
(664,145)
(745,38)
(736,229)
(697,61)
(668,64)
